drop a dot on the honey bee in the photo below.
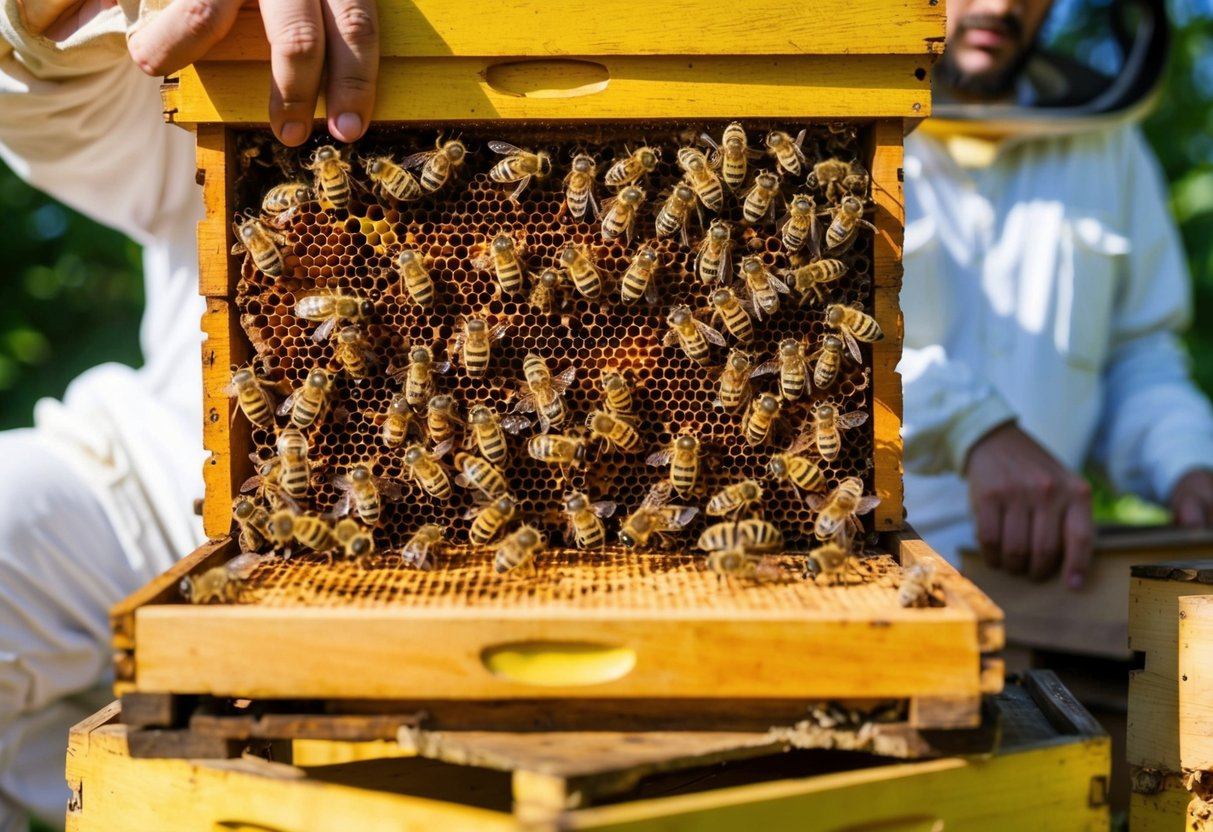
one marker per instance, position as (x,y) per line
(390,179)
(480,474)
(310,401)
(313,532)
(418,375)
(838,512)
(437,165)
(353,352)
(733,154)
(505,258)
(713,257)
(545,292)
(364,493)
(918,587)
(793,368)
(853,326)
(355,540)
(294,470)
(829,561)
(415,277)
(827,361)
(518,166)
(761,418)
(810,278)
(638,280)
(734,499)
(803,473)
(749,535)
(702,179)
(759,203)
(735,391)
(691,334)
(631,168)
(252,520)
(255,401)
(474,344)
(488,432)
(280,528)
(585,528)
(655,517)
(827,424)
(579,187)
(488,520)
(613,430)
(330,308)
(544,392)
(682,455)
(396,422)
(619,214)
(282,201)
(616,394)
(261,242)
(557,449)
(733,313)
(733,563)
(845,220)
(580,266)
(427,471)
(425,544)
(675,213)
(332,175)
(225,583)
(787,152)
(800,224)
(442,417)
(838,179)
(518,549)
(763,285)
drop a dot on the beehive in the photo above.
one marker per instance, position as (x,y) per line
(598,83)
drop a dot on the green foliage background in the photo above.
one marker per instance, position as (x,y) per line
(74,293)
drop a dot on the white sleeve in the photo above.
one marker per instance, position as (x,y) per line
(80,121)
(948,408)
(1156,425)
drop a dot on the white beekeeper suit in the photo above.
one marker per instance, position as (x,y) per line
(96,500)
(1048,287)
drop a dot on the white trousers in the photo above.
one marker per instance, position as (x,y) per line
(61,568)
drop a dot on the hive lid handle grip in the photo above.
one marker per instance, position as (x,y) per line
(557,78)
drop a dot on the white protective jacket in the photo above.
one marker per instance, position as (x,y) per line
(1049,288)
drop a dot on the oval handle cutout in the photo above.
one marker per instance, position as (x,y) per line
(558,663)
(547,79)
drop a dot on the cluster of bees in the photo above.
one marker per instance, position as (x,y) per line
(741,244)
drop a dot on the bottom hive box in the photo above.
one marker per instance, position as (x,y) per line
(608,626)
(1049,772)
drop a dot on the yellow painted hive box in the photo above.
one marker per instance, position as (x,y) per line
(420,335)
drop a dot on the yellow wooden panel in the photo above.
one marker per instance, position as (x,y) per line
(227,464)
(1045,789)
(1163,811)
(436,28)
(1196,682)
(381,653)
(434,89)
(1152,732)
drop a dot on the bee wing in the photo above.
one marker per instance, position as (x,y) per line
(708,332)
(658,495)
(238,248)
(325,329)
(802,442)
(866,504)
(815,501)
(525,404)
(778,284)
(442,448)
(498,332)
(342,506)
(389,489)
(250,484)
(462,480)
(661,457)
(765,368)
(561,382)
(416,160)
(680,516)
(441,367)
(851,343)
(852,420)
(670,338)
(591,203)
(604,508)
(515,424)
(287,403)
(651,294)
(503,148)
(244,564)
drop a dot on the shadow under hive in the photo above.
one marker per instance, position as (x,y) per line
(350,251)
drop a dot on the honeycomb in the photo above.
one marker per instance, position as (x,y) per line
(350,251)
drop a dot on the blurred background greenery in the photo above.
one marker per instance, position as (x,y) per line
(75,291)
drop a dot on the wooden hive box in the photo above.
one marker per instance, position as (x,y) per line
(1049,773)
(608,625)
